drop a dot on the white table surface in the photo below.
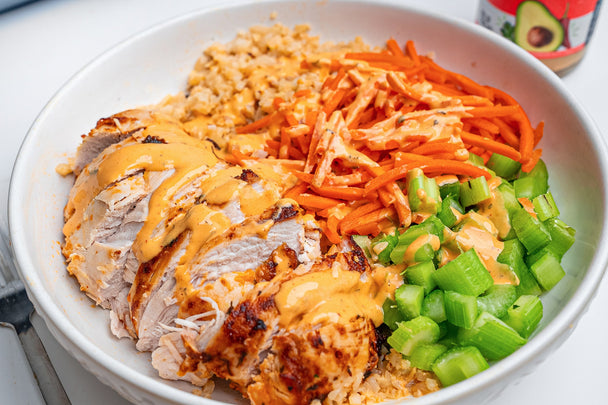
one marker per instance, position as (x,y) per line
(44,43)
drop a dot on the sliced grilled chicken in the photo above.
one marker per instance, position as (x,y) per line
(109,131)
(223,270)
(307,331)
(135,198)
(111,198)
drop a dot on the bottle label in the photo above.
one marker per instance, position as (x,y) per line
(547,29)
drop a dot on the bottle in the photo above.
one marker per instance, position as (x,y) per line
(554,31)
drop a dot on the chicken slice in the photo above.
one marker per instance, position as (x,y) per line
(303,332)
(327,343)
(223,270)
(104,216)
(109,131)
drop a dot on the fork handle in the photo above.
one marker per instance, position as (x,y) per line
(48,381)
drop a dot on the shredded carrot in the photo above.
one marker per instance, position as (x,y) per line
(254,126)
(495,111)
(401,87)
(334,102)
(528,206)
(296,190)
(352,142)
(438,166)
(506,132)
(452,91)
(529,164)
(236,157)
(394,48)
(284,145)
(471,100)
(410,49)
(343,193)
(315,201)
(350,220)
(437,147)
(295,154)
(483,123)
(396,60)
(332,229)
(526,143)
(472,87)
(333,84)
(302,93)
(490,145)
(402,205)
(373,217)
(538,132)
(384,194)
(454,167)
(503,97)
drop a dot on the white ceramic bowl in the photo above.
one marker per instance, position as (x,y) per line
(155,63)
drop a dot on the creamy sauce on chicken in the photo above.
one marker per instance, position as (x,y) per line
(336,295)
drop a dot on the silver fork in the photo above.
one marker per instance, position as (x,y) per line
(16,309)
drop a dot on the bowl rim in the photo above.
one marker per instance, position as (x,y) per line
(57,320)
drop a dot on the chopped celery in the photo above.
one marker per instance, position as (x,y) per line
(409,334)
(494,338)
(562,236)
(544,206)
(512,251)
(533,258)
(474,191)
(422,192)
(466,275)
(392,315)
(525,315)
(409,300)
(534,183)
(432,225)
(446,214)
(510,203)
(398,253)
(422,274)
(443,328)
(423,356)
(547,270)
(383,246)
(509,199)
(513,254)
(433,306)
(498,299)
(476,159)
(450,338)
(412,233)
(503,166)
(458,364)
(530,231)
(450,188)
(460,309)
(527,187)
(539,172)
(423,254)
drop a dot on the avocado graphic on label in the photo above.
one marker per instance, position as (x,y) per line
(536,29)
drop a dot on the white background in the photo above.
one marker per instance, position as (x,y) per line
(44,43)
